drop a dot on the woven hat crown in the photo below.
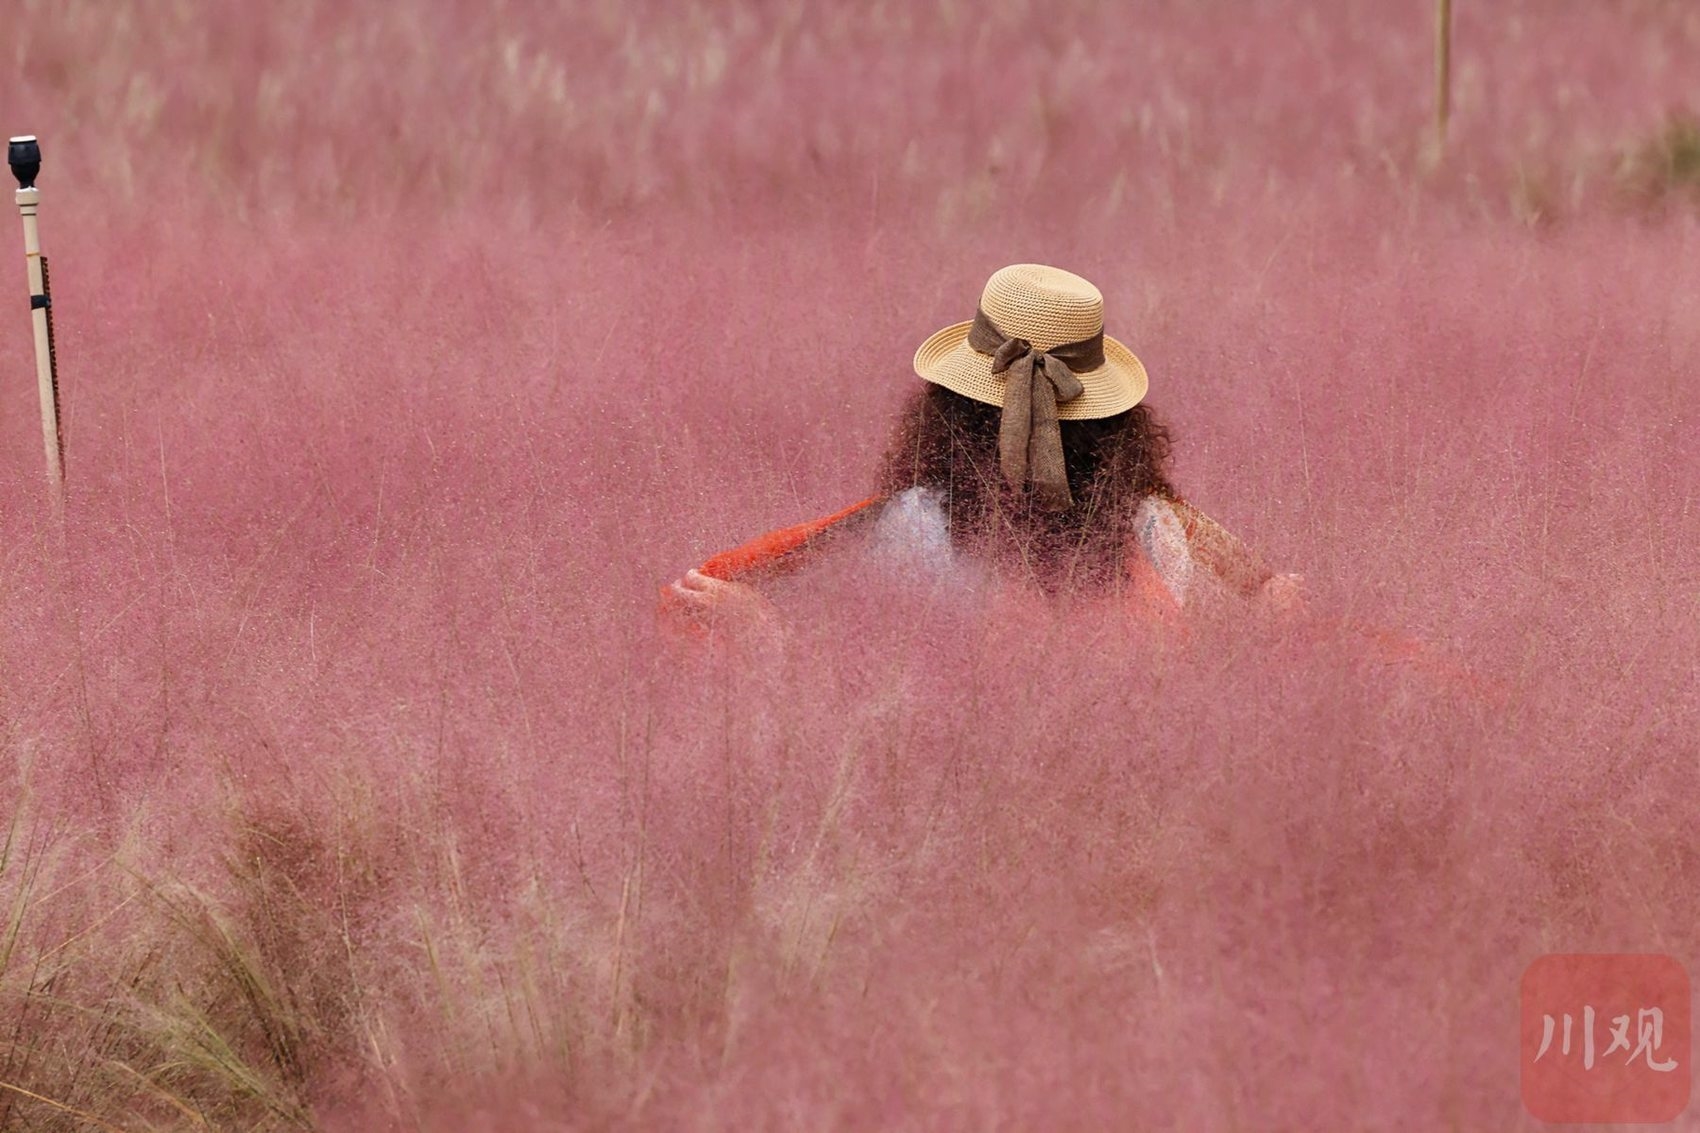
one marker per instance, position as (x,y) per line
(1049,309)
(1044,305)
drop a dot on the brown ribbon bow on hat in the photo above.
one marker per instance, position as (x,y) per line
(1029,433)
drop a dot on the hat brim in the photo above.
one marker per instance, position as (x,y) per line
(1118,385)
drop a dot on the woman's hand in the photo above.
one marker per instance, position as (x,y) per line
(716,603)
(1285,594)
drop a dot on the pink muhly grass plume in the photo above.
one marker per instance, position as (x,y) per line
(348,782)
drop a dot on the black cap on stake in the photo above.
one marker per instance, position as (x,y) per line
(24,156)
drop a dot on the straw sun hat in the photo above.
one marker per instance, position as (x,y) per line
(1037,348)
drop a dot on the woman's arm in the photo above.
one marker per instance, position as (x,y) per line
(707,602)
(782,550)
(720,590)
(1218,550)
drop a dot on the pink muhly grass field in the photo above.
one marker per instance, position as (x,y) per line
(347,782)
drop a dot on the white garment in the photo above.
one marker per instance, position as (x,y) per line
(913,532)
(1162,536)
(913,527)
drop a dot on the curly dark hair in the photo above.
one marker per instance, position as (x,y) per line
(950,442)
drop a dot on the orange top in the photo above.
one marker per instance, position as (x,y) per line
(1174,538)
(783,549)
(1172,534)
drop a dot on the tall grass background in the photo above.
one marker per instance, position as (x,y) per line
(347,783)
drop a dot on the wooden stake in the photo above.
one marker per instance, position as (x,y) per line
(24,155)
(1442,70)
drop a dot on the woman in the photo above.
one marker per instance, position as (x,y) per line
(1026,456)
